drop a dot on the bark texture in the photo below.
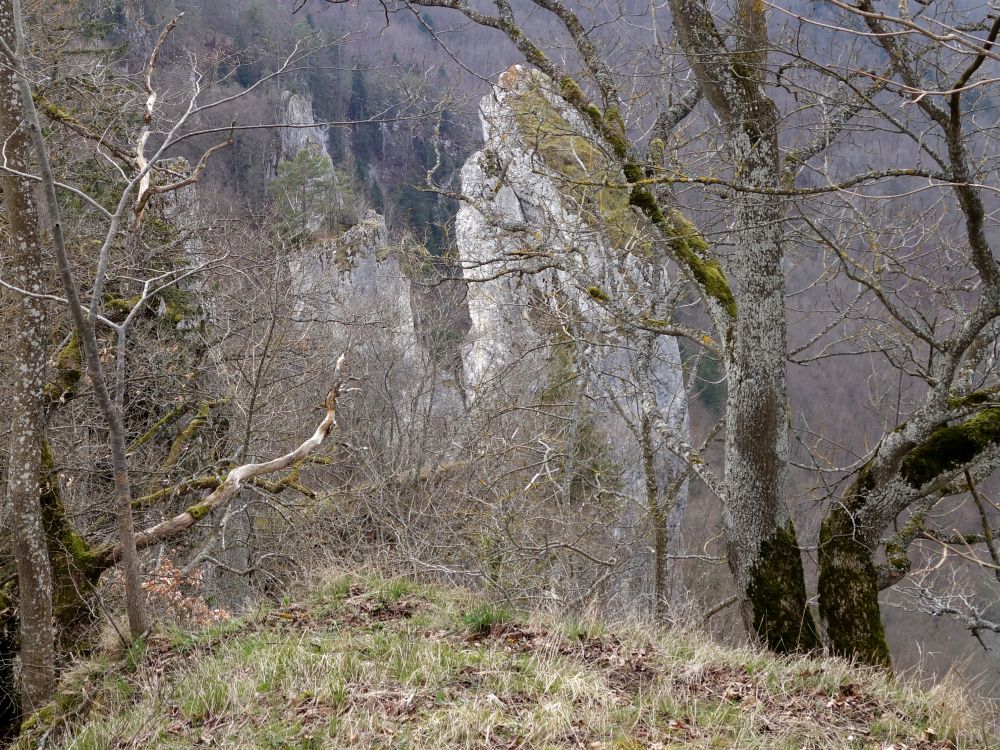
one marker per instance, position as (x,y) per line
(762,547)
(30,332)
(904,473)
(134,595)
(848,592)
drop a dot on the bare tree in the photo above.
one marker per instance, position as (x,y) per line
(762,544)
(950,437)
(84,324)
(763,551)
(34,481)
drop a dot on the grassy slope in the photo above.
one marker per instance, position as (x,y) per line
(366,663)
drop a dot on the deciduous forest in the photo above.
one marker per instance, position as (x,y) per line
(499,373)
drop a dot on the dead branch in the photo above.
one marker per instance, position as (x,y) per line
(147,120)
(231,485)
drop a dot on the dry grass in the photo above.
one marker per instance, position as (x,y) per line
(363,662)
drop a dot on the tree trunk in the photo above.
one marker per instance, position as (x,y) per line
(762,547)
(134,595)
(848,587)
(30,334)
(761,540)
(658,519)
(914,458)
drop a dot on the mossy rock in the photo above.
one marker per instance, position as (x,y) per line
(596,183)
(582,170)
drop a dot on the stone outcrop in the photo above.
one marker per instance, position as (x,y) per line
(559,269)
(352,291)
(315,191)
(296,110)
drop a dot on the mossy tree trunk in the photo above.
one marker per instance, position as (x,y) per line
(917,462)
(848,592)
(84,325)
(76,567)
(956,426)
(76,564)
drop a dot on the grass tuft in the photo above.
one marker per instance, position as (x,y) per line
(484,617)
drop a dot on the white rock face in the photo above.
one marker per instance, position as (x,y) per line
(326,192)
(353,296)
(297,110)
(543,268)
(352,292)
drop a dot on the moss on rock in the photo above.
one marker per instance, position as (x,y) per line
(589,175)
(584,171)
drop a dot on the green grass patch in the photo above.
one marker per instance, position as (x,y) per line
(481,619)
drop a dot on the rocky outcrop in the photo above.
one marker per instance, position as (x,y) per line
(296,111)
(312,192)
(353,295)
(559,269)
(352,292)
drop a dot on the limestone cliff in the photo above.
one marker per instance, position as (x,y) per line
(553,257)
(351,292)
(296,111)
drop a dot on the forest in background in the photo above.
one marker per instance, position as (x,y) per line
(227,361)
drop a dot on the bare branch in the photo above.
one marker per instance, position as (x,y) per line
(231,485)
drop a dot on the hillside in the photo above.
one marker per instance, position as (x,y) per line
(364,662)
